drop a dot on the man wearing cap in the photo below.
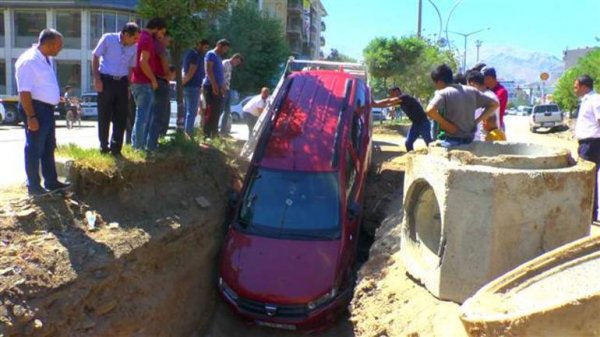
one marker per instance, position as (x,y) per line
(38,94)
(228,66)
(490,81)
(112,61)
(214,88)
(587,129)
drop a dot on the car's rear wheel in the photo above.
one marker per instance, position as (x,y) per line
(235,117)
(12,116)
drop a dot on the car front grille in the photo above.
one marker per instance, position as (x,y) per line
(260,308)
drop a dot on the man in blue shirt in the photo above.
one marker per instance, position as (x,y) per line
(113,59)
(214,88)
(193,74)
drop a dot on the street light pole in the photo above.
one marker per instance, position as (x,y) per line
(419,17)
(478,45)
(464,68)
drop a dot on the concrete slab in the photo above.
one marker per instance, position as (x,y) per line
(476,212)
(556,294)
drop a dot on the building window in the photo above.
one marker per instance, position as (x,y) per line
(1,28)
(3,77)
(28,25)
(106,22)
(69,73)
(69,25)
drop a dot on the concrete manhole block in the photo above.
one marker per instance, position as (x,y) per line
(474,213)
(556,294)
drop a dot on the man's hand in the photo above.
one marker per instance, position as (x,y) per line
(154,84)
(450,128)
(98,85)
(215,90)
(223,91)
(33,124)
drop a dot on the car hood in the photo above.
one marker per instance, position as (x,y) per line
(280,271)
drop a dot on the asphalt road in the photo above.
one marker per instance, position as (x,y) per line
(12,140)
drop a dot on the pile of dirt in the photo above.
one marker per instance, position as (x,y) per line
(145,269)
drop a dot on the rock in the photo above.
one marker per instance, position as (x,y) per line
(105,308)
(37,324)
(3,311)
(7,271)
(22,314)
(26,214)
(202,202)
(86,323)
(184,204)
(113,225)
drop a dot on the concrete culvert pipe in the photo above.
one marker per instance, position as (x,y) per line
(499,204)
(557,294)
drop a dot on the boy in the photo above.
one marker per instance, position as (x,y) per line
(490,126)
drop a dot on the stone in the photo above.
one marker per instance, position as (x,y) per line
(26,214)
(475,212)
(105,308)
(202,202)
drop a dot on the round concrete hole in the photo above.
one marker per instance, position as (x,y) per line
(424,221)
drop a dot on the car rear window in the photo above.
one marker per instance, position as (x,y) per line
(546,108)
(292,205)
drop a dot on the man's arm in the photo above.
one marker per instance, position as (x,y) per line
(27,104)
(211,77)
(433,113)
(488,112)
(145,66)
(192,68)
(96,73)
(386,102)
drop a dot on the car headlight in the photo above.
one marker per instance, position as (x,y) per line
(227,291)
(323,299)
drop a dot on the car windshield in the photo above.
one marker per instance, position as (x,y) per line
(292,205)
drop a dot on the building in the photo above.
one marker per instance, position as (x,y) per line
(303,24)
(572,56)
(82,23)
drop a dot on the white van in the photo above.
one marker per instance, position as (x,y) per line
(89,105)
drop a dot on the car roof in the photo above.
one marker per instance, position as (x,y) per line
(305,129)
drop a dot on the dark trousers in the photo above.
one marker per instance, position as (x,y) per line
(423,129)
(226,120)
(40,146)
(589,149)
(113,106)
(214,104)
(250,121)
(159,114)
(130,118)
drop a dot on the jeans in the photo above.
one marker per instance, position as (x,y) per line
(40,146)
(456,141)
(143,96)
(191,99)
(113,106)
(213,111)
(423,129)
(589,149)
(159,115)
(226,118)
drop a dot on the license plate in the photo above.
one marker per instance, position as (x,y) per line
(276,325)
(547,124)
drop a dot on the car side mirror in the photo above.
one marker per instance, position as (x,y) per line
(354,210)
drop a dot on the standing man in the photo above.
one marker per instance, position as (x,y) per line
(144,80)
(489,78)
(193,74)
(453,107)
(228,66)
(213,87)
(587,130)
(161,107)
(414,111)
(475,80)
(254,108)
(112,61)
(38,94)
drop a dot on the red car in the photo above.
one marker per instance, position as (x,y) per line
(288,257)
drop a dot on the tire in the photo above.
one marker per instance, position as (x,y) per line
(12,116)
(235,118)
(533,129)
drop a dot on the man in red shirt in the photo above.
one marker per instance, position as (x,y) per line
(144,78)
(490,81)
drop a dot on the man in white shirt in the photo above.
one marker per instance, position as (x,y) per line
(254,108)
(228,65)
(38,94)
(587,130)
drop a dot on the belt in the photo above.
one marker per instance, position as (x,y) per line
(48,105)
(162,79)
(114,78)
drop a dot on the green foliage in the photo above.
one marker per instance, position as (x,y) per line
(406,62)
(259,38)
(563,94)
(335,55)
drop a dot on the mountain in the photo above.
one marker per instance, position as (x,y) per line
(520,65)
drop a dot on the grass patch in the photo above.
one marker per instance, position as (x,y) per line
(100,161)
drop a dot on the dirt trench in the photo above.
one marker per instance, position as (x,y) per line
(147,269)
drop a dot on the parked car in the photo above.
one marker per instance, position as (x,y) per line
(89,105)
(546,116)
(378,114)
(523,110)
(10,105)
(288,256)
(236,110)
(511,112)
(173,104)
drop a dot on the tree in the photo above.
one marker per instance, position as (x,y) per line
(187,22)
(259,38)
(563,94)
(405,62)
(335,55)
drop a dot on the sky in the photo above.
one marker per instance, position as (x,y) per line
(543,26)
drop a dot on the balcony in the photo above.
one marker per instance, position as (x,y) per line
(295,27)
(295,7)
(322,41)
(323,26)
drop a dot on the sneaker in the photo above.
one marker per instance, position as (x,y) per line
(35,191)
(57,186)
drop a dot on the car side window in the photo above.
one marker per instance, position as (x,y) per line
(350,173)
(357,119)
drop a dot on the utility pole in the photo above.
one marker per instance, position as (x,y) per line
(478,45)
(419,17)
(464,67)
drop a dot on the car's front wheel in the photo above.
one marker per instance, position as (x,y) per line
(12,116)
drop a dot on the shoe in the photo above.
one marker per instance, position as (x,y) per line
(57,186)
(35,191)
(117,155)
(104,151)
